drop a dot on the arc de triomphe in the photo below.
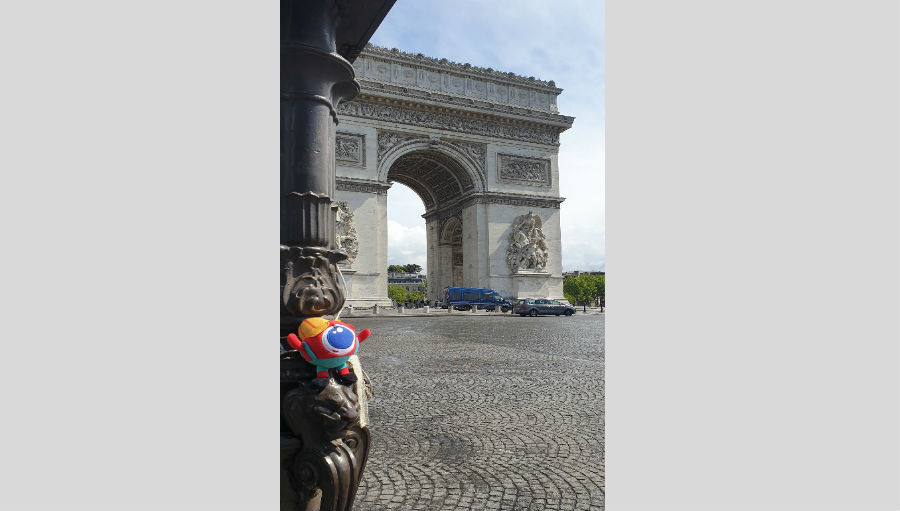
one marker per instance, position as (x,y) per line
(480,149)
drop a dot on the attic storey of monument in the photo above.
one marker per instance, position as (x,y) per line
(478,146)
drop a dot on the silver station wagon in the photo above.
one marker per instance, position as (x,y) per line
(542,306)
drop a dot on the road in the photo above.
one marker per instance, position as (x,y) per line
(484,412)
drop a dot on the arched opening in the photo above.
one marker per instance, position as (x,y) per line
(434,176)
(440,181)
(452,252)
(406,243)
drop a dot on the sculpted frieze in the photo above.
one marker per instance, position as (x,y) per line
(443,121)
(522,170)
(346,239)
(350,149)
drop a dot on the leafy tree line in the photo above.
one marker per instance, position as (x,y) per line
(404,268)
(400,295)
(585,289)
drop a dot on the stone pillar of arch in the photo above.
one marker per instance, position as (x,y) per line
(450,262)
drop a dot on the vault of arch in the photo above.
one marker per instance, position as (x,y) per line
(435,176)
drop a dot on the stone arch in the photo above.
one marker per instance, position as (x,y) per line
(477,145)
(443,176)
(466,161)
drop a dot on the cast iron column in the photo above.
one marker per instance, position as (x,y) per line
(324,442)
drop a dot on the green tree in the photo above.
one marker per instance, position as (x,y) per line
(415,296)
(397,293)
(580,290)
(600,285)
(395,268)
(412,268)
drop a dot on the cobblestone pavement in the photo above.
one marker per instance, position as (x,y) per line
(484,413)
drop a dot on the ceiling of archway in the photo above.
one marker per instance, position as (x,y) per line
(435,177)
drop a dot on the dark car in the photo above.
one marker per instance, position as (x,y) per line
(464,298)
(542,306)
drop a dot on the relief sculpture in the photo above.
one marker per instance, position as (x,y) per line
(346,239)
(525,170)
(527,249)
(348,148)
(522,170)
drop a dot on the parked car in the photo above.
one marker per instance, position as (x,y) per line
(542,306)
(464,298)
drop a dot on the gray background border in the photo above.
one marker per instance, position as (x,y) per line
(753,223)
(753,242)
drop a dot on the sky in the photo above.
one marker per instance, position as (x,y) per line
(563,41)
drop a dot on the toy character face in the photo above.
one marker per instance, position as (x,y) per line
(339,340)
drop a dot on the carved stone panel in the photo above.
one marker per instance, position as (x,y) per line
(345,238)
(381,70)
(518,96)
(522,170)
(429,79)
(498,92)
(476,88)
(350,149)
(404,75)
(455,84)
(527,248)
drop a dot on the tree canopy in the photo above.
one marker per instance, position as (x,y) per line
(404,268)
(397,293)
(584,289)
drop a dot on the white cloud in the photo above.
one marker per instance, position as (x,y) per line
(406,244)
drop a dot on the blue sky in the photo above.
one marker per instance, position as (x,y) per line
(551,40)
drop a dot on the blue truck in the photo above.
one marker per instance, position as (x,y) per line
(464,298)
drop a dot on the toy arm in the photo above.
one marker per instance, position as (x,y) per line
(363,335)
(298,345)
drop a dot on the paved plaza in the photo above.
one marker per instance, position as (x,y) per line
(484,412)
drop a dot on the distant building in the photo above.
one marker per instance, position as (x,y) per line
(578,272)
(410,281)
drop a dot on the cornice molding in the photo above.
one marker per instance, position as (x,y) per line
(361,185)
(373,91)
(515,199)
(449,119)
(503,199)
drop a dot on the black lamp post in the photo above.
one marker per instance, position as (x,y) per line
(324,435)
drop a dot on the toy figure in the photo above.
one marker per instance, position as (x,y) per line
(327,344)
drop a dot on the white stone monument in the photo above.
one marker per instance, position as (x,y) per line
(479,147)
